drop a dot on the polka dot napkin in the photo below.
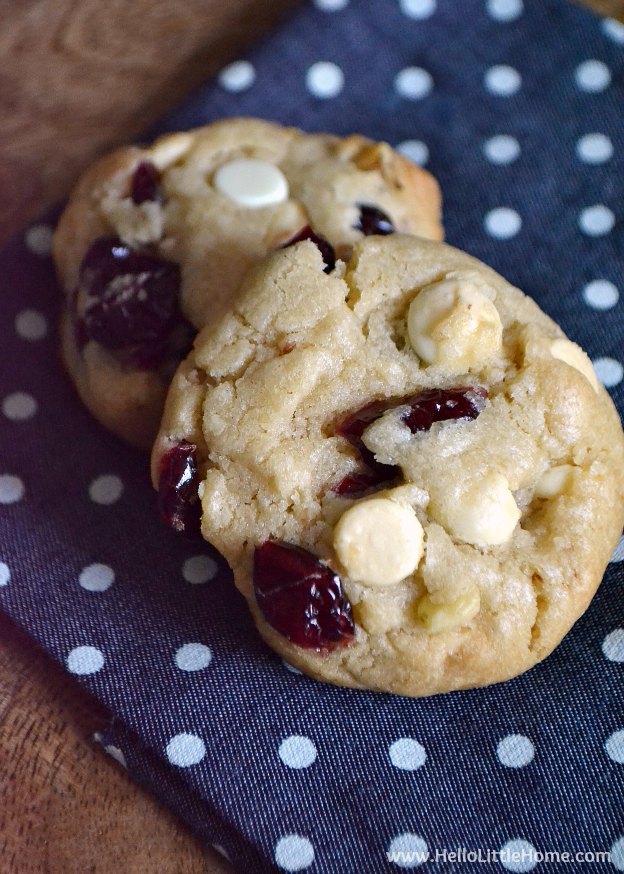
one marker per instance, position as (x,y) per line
(517,109)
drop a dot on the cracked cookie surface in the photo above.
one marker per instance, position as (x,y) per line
(206,205)
(497,494)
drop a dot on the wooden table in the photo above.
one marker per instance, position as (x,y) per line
(65,808)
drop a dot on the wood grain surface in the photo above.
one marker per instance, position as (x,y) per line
(77,77)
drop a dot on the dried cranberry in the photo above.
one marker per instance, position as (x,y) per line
(440,405)
(178,500)
(374,472)
(325,247)
(424,409)
(131,296)
(373,221)
(367,478)
(145,183)
(300,597)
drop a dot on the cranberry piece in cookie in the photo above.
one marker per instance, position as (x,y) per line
(365,479)
(373,220)
(178,501)
(326,249)
(145,183)
(442,405)
(300,597)
(131,296)
(425,408)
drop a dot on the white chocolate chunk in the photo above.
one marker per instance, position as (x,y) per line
(568,352)
(252,183)
(454,323)
(554,481)
(454,614)
(169,149)
(379,542)
(485,514)
(408,493)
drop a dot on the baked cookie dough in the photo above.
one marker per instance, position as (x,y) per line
(155,242)
(416,477)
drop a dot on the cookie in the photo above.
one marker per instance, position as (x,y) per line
(155,242)
(416,477)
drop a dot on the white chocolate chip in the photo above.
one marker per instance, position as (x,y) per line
(554,481)
(571,354)
(408,493)
(169,149)
(485,514)
(252,183)
(454,614)
(454,323)
(379,542)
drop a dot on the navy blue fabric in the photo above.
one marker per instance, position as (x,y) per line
(558,784)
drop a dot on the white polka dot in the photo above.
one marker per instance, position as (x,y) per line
(324,80)
(199,569)
(601,294)
(418,8)
(193,657)
(106,489)
(613,645)
(515,751)
(502,80)
(415,151)
(294,853)
(331,5)
(116,753)
(614,30)
(502,223)
(594,148)
(297,751)
(609,371)
(96,577)
(592,76)
(413,83)
(614,746)
(5,574)
(617,855)
(502,149)
(11,489)
(185,750)
(518,855)
(596,220)
(505,10)
(85,660)
(407,754)
(291,668)
(39,239)
(618,555)
(19,406)
(31,325)
(238,76)
(408,851)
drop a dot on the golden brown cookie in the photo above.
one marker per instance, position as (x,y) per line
(415,476)
(155,242)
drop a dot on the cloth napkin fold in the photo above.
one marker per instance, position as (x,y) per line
(517,109)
